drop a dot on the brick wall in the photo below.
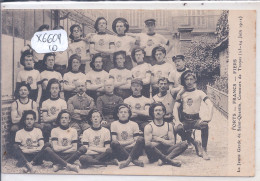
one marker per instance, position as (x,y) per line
(6,124)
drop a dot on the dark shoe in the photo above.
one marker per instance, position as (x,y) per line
(113,162)
(57,167)
(124,164)
(138,163)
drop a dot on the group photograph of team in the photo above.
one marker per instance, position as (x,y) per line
(110,101)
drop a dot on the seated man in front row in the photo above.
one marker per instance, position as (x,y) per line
(190,99)
(159,139)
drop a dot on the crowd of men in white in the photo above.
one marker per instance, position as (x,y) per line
(107,100)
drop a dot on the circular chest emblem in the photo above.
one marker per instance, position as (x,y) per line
(64,142)
(96,140)
(29,142)
(138,106)
(137,74)
(119,78)
(101,42)
(159,74)
(53,110)
(78,51)
(29,80)
(98,80)
(189,102)
(124,135)
(150,43)
(118,44)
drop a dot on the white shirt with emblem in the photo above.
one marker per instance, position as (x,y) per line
(120,75)
(97,78)
(191,100)
(31,77)
(151,41)
(64,137)
(124,43)
(53,107)
(162,70)
(28,139)
(96,138)
(124,131)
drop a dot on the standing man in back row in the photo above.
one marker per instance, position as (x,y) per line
(149,40)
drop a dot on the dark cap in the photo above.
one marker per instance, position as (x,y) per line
(137,81)
(122,20)
(149,21)
(185,74)
(178,57)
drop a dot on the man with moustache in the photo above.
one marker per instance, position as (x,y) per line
(165,96)
(79,106)
(139,104)
(159,139)
(107,102)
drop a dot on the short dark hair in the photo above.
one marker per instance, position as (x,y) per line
(72,57)
(124,21)
(52,81)
(60,114)
(25,114)
(91,112)
(44,26)
(116,54)
(71,30)
(153,106)
(93,60)
(18,87)
(120,106)
(158,48)
(46,55)
(136,50)
(97,21)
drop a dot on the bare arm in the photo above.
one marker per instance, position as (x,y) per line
(210,107)
(46,118)
(99,149)
(93,87)
(176,113)
(39,94)
(164,141)
(14,114)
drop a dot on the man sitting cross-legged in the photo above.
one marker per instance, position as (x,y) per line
(159,139)
(97,141)
(126,144)
(64,141)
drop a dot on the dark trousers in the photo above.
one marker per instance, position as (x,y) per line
(64,158)
(165,152)
(184,133)
(46,130)
(155,90)
(24,158)
(122,154)
(99,159)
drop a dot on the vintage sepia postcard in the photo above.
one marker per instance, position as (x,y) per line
(127,91)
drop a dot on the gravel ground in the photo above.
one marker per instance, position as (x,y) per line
(192,165)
